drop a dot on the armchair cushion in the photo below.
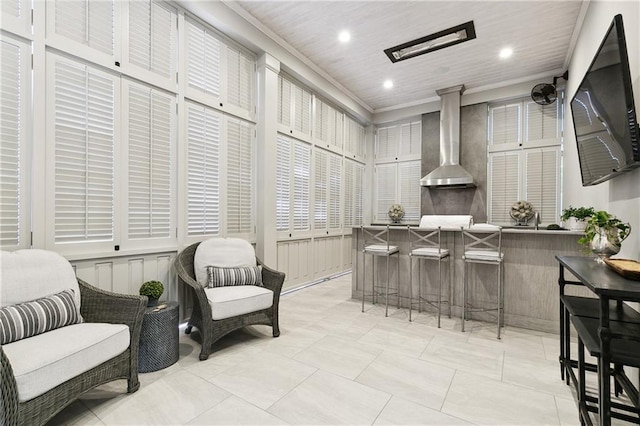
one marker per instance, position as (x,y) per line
(227,302)
(39,316)
(70,351)
(244,275)
(223,253)
(32,273)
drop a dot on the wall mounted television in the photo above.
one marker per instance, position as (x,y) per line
(604,115)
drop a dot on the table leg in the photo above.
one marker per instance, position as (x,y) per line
(604,372)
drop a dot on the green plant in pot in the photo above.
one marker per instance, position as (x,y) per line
(575,218)
(153,290)
(604,234)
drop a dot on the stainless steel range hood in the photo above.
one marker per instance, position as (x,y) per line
(450,174)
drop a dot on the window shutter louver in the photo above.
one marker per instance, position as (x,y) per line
(541,121)
(328,128)
(321,190)
(151,37)
(239,79)
(84,123)
(505,124)
(386,183)
(13,116)
(284,101)
(87,22)
(409,189)
(504,179)
(203,60)
(410,139)
(150,140)
(302,111)
(203,170)
(239,177)
(386,141)
(354,142)
(283,183)
(335,181)
(301,186)
(541,185)
(16,16)
(349,193)
(358,186)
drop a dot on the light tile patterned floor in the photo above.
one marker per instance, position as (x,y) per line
(333,364)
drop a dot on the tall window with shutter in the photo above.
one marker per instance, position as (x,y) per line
(397,169)
(353,192)
(293,186)
(525,148)
(240,178)
(203,170)
(82,127)
(327,192)
(15,92)
(294,108)
(150,134)
(328,125)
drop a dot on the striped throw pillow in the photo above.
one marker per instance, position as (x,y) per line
(246,275)
(38,316)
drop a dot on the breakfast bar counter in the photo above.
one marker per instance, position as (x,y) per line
(530,273)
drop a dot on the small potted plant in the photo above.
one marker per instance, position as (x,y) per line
(604,234)
(575,218)
(153,290)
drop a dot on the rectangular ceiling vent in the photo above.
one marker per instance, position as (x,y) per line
(435,41)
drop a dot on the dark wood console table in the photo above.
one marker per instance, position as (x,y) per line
(609,287)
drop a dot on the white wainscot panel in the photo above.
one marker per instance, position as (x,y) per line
(346,252)
(294,259)
(327,255)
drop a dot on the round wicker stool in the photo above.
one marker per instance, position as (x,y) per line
(159,338)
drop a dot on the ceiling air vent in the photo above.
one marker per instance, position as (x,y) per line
(435,41)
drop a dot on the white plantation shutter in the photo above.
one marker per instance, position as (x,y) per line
(87,22)
(411,139)
(302,110)
(504,124)
(84,123)
(152,33)
(355,139)
(542,182)
(16,16)
(293,185)
(321,193)
(150,134)
(386,186)
(240,182)
(504,176)
(301,186)
(284,101)
(15,78)
(409,189)
(328,125)
(353,179)
(240,76)
(386,143)
(542,121)
(283,183)
(335,182)
(203,59)
(203,170)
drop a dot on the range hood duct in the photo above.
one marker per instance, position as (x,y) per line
(450,174)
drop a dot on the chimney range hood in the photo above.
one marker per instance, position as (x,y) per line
(450,174)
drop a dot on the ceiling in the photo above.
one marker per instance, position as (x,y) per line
(540,33)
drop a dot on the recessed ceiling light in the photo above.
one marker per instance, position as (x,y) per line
(344,36)
(388,84)
(506,53)
(435,41)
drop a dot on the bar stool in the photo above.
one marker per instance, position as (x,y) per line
(483,244)
(376,243)
(425,244)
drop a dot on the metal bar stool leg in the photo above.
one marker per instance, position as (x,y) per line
(439,289)
(464,294)
(386,298)
(410,284)
(499,296)
(364,278)
(398,281)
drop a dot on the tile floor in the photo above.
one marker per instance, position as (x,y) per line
(333,364)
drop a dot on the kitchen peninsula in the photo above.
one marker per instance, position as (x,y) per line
(530,274)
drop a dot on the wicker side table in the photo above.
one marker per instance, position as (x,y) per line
(159,338)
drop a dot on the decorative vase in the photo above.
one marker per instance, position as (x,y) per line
(152,302)
(574,224)
(605,244)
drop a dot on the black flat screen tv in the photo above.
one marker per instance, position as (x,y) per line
(604,115)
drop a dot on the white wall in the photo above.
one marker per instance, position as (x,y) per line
(621,195)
